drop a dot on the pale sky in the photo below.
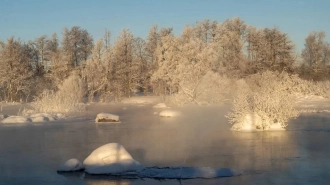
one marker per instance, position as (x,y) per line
(28,19)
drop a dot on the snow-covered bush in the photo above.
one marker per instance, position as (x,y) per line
(68,98)
(266,96)
(212,89)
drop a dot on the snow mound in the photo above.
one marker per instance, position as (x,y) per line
(160,106)
(111,158)
(106,117)
(16,119)
(187,172)
(70,166)
(169,113)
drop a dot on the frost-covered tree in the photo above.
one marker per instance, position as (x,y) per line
(269,49)
(143,67)
(15,70)
(182,62)
(206,30)
(95,72)
(125,70)
(76,45)
(316,55)
(230,40)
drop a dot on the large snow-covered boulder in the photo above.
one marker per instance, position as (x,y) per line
(16,119)
(160,106)
(111,158)
(106,117)
(71,165)
(169,113)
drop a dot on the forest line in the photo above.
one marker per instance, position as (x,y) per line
(161,64)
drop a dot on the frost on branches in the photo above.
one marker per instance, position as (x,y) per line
(266,99)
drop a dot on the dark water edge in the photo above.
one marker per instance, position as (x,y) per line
(30,154)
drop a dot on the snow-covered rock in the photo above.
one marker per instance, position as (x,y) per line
(70,166)
(111,158)
(169,113)
(3,116)
(59,116)
(43,117)
(16,119)
(160,106)
(106,117)
(39,119)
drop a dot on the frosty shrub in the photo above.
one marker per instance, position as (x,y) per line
(298,86)
(212,89)
(265,95)
(68,98)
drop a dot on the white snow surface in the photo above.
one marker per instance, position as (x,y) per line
(169,113)
(106,116)
(16,119)
(70,166)
(250,122)
(111,158)
(39,119)
(141,100)
(160,106)
(275,127)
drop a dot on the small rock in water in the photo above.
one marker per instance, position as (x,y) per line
(70,166)
(106,117)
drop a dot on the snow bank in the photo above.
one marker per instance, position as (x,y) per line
(106,117)
(169,113)
(141,100)
(253,122)
(275,127)
(160,106)
(70,166)
(16,119)
(250,123)
(111,158)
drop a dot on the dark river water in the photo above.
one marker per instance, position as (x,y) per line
(31,153)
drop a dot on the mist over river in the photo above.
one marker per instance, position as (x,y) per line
(200,137)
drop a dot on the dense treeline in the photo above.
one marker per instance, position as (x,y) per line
(161,64)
